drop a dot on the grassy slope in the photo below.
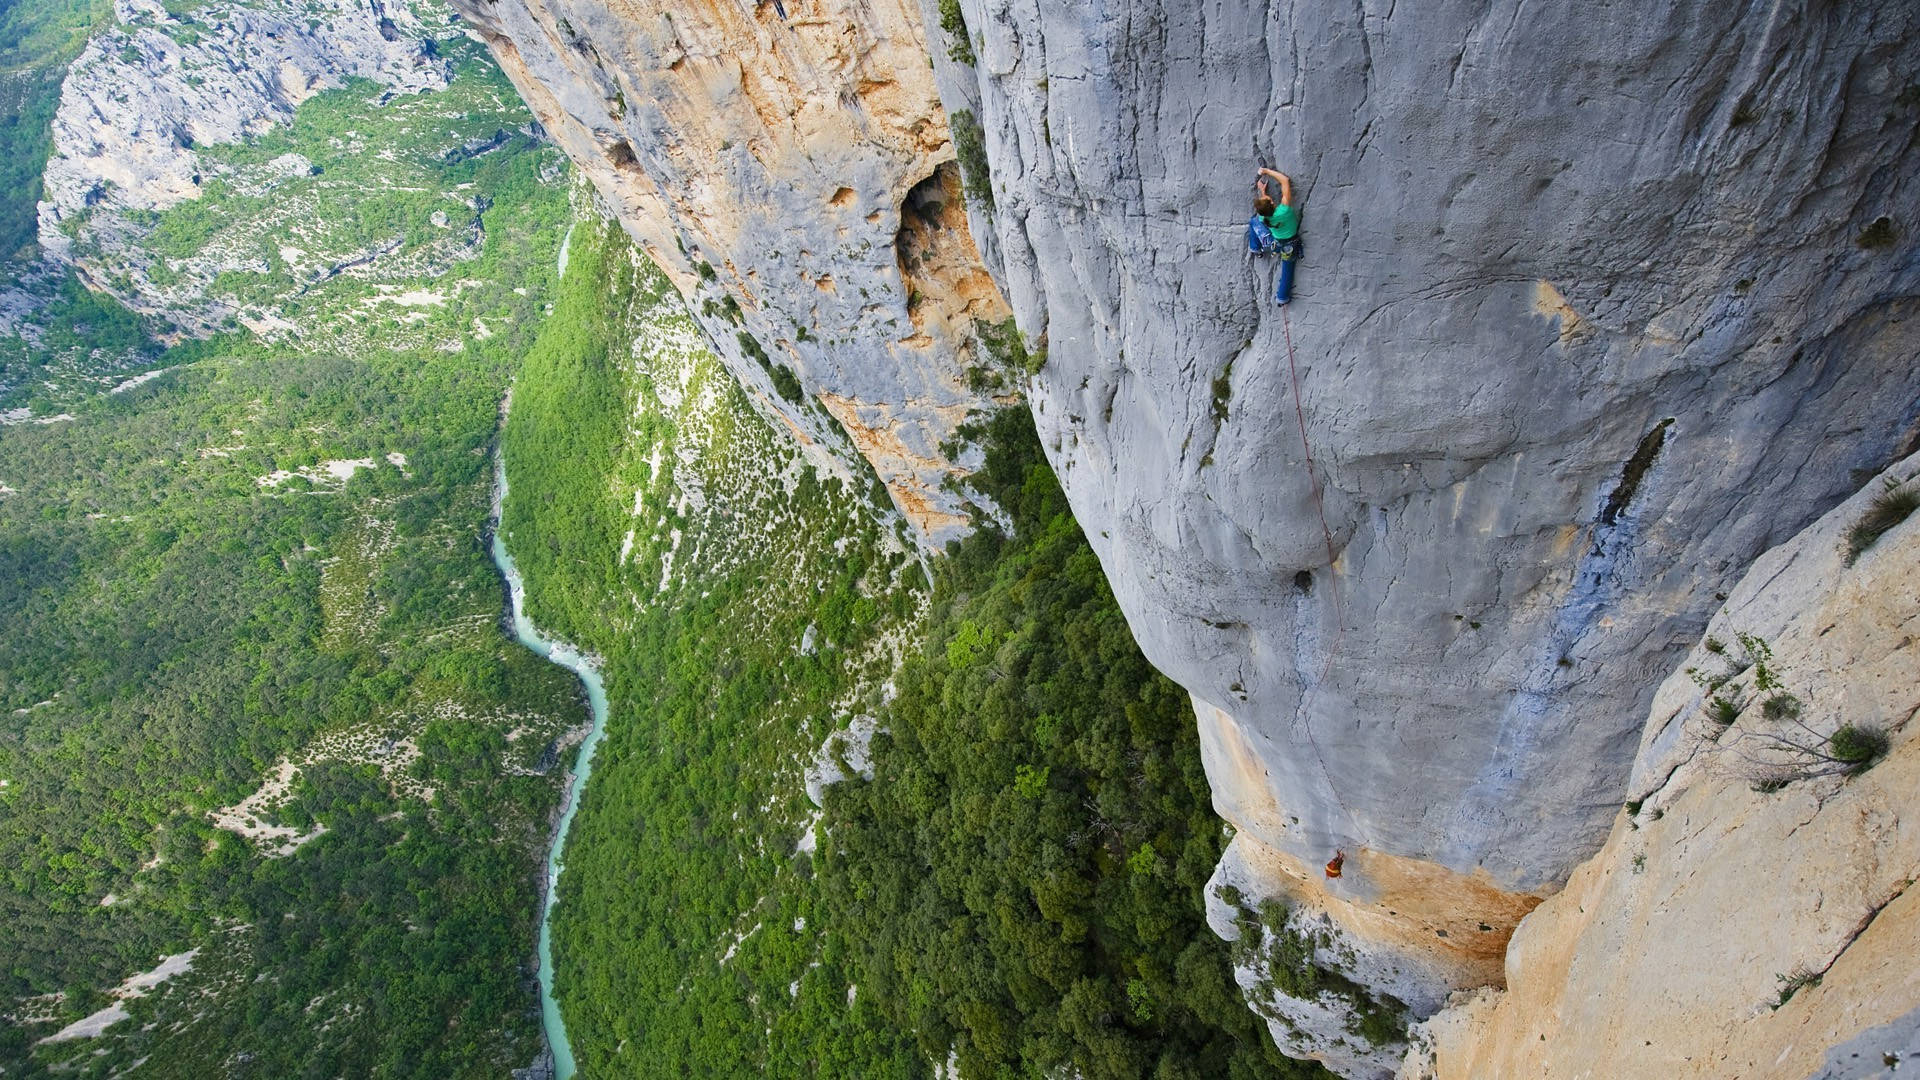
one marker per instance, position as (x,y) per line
(175,628)
(684,841)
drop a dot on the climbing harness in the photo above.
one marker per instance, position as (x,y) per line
(1333,584)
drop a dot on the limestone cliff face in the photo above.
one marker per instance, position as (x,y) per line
(794,176)
(1597,305)
(153,89)
(1753,912)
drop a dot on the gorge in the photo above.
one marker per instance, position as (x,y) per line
(1560,378)
(1030,650)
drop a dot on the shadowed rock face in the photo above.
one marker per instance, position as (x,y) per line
(787,174)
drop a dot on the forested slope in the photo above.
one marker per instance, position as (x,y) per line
(255,701)
(1013,877)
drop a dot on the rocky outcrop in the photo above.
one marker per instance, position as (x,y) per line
(1752,913)
(1596,306)
(149,93)
(790,168)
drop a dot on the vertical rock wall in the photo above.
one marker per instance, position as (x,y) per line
(1598,302)
(1753,912)
(783,164)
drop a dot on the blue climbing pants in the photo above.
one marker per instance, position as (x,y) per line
(1289,251)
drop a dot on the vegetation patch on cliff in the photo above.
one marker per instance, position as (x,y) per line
(1021,881)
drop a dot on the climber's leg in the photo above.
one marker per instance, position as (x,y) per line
(1283,291)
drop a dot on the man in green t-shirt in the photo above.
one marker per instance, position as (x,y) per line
(1283,222)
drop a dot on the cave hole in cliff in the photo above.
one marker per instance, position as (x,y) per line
(930,242)
(1304,581)
(622,155)
(932,207)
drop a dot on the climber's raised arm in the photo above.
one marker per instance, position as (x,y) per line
(1286,185)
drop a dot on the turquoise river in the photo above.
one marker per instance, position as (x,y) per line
(586,668)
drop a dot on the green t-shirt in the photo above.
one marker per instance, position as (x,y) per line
(1284,222)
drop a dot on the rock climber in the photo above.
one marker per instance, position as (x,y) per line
(1339,857)
(1275,229)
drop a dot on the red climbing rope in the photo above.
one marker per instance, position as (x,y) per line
(1313,474)
(1333,584)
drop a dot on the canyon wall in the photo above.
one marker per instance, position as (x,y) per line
(1752,913)
(1596,305)
(790,168)
(154,90)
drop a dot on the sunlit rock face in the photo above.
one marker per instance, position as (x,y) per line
(1745,864)
(1596,305)
(794,177)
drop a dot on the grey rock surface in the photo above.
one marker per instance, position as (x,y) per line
(1752,913)
(1538,241)
(1597,304)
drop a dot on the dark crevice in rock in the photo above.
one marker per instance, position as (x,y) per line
(622,155)
(1634,472)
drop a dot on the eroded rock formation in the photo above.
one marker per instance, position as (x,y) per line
(149,92)
(794,177)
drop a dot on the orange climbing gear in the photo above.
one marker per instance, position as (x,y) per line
(1334,864)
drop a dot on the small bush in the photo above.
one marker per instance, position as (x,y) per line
(1889,508)
(970,146)
(1222,393)
(1791,984)
(1721,711)
(954,22)
(1780,707)
(1857,745)
(751,346)
(1878,236)
(787,384)
(1769,785)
